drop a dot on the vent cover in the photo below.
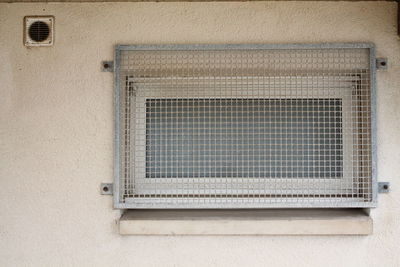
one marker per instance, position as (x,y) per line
(245,126)
(39,31)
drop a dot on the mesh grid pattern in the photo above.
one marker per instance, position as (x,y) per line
(245,127)
(230,138)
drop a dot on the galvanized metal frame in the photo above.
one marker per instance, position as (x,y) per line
(117,130)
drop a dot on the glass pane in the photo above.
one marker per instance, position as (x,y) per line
(244,138)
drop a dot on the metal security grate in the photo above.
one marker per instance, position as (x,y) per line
(245,126)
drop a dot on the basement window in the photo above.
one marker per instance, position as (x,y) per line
(244,126)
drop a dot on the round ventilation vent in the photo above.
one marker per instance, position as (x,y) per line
(39,31)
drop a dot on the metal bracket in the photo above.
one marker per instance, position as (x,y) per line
(106,189)
(107,66)
(381,63)
(383,187)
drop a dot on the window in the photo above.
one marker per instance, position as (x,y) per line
(244,126)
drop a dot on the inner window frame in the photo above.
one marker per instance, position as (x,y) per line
(168,186)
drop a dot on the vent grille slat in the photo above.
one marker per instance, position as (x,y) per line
(39,31)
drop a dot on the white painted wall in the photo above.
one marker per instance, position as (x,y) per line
(56,131)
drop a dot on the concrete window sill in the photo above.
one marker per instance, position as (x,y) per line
(246,222)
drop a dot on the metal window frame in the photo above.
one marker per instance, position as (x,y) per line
(117,130)
(169,188)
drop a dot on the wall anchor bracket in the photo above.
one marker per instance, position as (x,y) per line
(107,66)
(383,187)
(106,188)
(381,63)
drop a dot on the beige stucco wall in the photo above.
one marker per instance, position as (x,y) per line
(56,131)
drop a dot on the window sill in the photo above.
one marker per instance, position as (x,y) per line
(246,222)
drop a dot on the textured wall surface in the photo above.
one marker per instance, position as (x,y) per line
(56,131)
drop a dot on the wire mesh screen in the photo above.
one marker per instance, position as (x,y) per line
(223,127)
(229,138)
